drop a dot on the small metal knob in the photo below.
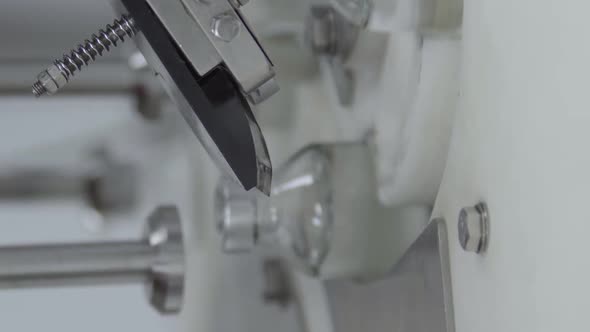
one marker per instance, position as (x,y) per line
(62,70)
(473,228)
(226,27)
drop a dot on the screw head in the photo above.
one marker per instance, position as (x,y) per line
(226,27)
(473,228)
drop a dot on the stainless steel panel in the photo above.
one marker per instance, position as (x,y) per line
(416,297)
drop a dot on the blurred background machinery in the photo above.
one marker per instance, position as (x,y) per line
(473,115)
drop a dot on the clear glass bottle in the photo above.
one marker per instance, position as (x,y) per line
(323,215)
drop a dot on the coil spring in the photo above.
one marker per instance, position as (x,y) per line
(94,47)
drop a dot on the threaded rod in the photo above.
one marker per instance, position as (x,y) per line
(39,89)
(56,76)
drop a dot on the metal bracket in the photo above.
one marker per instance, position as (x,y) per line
(212,66)
(416,295)
(213,33)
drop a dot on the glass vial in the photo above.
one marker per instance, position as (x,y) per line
(323,215)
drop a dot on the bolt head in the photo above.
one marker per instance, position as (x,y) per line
(472,227)
(226,27)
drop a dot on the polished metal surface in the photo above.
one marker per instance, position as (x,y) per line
(49,81)
(237,213)
(243,56)
(191,39)
(226,27)
(191,24)
(203,51)
(264,166)
(415,297)
(209,37)
(473,228)
(57,75)
(265,91)
(202,29)
(157,260)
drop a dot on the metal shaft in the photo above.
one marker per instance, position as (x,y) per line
(113,189)
(75,264)
(34,184)
(157,260)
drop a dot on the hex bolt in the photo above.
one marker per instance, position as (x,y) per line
(226,27)
(156,260)
(473,228)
